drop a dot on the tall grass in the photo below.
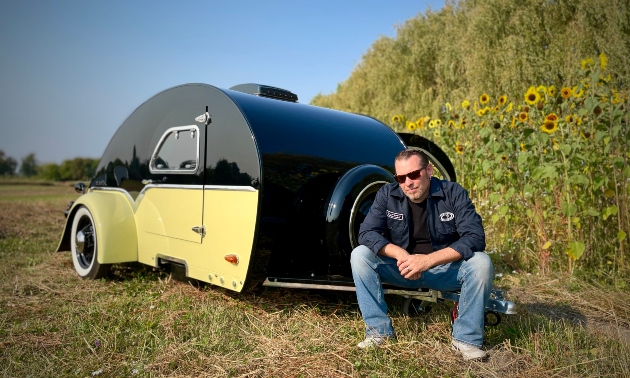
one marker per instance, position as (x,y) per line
(141,322)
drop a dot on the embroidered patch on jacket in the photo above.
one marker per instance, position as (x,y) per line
(393,215)
(445,217)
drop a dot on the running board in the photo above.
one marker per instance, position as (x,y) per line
(496,302)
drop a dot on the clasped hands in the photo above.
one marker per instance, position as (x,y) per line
(412,266)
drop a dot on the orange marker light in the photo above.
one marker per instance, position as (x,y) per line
(233,259)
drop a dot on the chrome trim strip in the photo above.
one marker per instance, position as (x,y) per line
(160,256)
(226,187)
(112,189)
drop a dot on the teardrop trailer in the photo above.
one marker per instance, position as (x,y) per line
(240,186)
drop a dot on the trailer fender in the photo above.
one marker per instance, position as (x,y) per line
(115,225)
(348,205)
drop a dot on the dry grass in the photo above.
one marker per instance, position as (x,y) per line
(140,322)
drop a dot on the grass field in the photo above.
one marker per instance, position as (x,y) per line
(142,323)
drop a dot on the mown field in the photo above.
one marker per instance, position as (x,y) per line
(143,323)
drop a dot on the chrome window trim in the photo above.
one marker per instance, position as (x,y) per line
(159,145)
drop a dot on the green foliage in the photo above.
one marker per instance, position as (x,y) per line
(28,167)
(75,169)
(7,165)
(471,47)
(547,164)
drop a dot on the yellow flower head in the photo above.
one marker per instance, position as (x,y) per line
(603,61)
(481,112)
(566,92)
(532,96)
(551,91)
(541,89)
(502,100)
(576,93)
(465,104)
(569,118)
(586,63)
(504,157)
(484,99)
(523,116)
(549,126)
(448,106)
(451,123)
(459,148)
(553,117)
(397,118)
(411,126)
(585,135)
(523,148)
(510,107)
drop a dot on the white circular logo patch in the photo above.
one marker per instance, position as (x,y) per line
(445,217)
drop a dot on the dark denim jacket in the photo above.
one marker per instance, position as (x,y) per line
(452,219)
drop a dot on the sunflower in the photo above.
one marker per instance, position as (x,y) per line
(597,111)
(566,92)
(523,147)
(484,99)
(496,109)
(551,91)
(436,133)
(576,93)
(569,118)
(448,106)
(465,104)
(496,125)
(586,63)
(451,123)
(585,135)
(541,89)
(549,126)
(522,116)
(514,119)
(553,117)
(502,100)
(481,112)
(603,61)
(510,107)
(459,149)
(532,96)
(432,124)
(504,158)
(397,118)
(438,122)
(411,126)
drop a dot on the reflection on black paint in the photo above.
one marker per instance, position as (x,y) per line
(227,173)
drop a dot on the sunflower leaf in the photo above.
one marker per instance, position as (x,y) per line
(592,212)
(576,249)
(621,235)
(599,135)
(569,209)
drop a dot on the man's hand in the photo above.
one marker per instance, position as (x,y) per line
(412,266)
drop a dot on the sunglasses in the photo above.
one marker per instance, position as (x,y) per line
(412,175)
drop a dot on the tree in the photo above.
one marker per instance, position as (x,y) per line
(28,168)
(7,165)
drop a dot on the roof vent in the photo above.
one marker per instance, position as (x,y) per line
(266,91)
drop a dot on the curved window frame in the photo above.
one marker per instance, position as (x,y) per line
(152,166)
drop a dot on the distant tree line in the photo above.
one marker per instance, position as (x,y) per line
(72,169)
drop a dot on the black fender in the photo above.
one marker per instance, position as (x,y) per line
(347,206)
(436,156)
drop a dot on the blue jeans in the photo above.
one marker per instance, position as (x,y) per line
(473,277)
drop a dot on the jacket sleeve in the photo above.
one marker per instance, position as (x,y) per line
(374,227)
(468,222)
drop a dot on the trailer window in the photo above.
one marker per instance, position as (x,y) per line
(177,151)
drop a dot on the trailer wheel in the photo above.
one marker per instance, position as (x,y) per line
(437,157)
(84,246)
(413,307)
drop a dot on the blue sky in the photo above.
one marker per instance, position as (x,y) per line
(71,71)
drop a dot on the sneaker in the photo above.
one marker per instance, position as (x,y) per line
(372,341)
(470,352)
